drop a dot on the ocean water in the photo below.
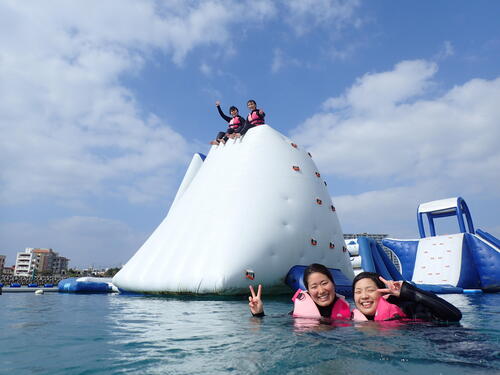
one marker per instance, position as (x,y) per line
(117,334)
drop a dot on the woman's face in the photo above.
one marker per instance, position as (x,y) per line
(366,296)
(321,289)
(251,106)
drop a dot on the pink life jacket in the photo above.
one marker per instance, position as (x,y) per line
(385,311)
(235,122)
(255,118)
(304,307)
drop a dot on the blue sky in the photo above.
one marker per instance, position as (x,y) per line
(102,105)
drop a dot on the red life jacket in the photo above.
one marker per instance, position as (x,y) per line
(385,311)
(255,118)
(235,122)
(304,307)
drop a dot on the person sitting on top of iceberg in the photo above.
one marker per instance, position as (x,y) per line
(235,124)
(254,118)
(319,301)
(379,299)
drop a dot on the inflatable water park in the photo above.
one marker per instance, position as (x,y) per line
(463,262)
(256,210)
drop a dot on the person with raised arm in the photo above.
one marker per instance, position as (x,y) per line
(235,124)
(319,300)
(379,299)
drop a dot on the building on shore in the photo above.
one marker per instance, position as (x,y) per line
(2,263)
(36,260)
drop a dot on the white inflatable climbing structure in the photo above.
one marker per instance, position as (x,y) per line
(251,210)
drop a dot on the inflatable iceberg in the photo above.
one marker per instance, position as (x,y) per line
(246,214)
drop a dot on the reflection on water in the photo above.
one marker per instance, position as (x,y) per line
(102,334)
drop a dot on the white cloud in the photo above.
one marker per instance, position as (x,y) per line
(69,126)
(305,15)
(383,130)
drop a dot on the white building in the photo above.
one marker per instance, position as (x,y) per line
(40,260)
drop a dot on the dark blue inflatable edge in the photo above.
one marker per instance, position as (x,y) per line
(294,279)
(202,156)
(374,259)
(406,251)
(487,263)
(488,237)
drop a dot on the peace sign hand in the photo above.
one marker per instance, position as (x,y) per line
(255,302)
(392,287)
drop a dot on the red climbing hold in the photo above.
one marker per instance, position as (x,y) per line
(332,245)
(319,201)
(317,174)
(296,168)
(314,242)
(294,145)
(332,207)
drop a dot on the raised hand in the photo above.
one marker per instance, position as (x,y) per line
(255,302)
(391,287)
(217,103)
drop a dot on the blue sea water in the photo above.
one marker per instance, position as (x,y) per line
(117,334)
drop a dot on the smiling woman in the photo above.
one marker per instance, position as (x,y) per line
(319,301)
(379,299)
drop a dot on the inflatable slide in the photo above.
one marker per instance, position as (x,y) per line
(450,263)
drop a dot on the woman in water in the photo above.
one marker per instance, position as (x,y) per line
(379,299)
(319,301)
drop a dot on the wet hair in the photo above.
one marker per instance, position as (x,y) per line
(316,267)
(252,101)
(232,108)
(368,275)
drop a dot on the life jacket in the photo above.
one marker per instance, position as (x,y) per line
(235,122)
(385,311)
(255,118)
(304,307)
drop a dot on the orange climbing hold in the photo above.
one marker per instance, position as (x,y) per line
(319,201)
(296,168)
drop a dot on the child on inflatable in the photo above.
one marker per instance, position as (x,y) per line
(254,118)
(319,301)
(381,300)
(235,124)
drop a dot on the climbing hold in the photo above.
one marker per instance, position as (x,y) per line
(332,207)
(296,168)
(294,145)
(314,242)
(332,245)
(319,201)
(344,249)
(309,154)
(317,174)
(249,274)
(325,183)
